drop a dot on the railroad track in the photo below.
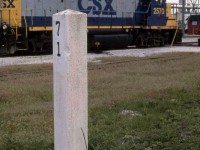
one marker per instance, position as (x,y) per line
(186,44)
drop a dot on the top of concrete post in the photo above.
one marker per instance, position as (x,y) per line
(70,12)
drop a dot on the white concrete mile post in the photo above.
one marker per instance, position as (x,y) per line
(70,80)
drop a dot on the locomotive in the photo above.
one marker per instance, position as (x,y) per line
(26,25)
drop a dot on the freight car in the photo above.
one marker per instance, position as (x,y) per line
(26,25)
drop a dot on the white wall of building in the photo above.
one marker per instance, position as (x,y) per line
(172,1)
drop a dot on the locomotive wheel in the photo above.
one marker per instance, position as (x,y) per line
(156,42)
(41,42)
(48,47)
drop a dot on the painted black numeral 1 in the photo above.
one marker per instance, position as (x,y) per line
(58,49)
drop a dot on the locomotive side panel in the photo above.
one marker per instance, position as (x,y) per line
(39,13)
(11,12)
(100,13)
(108,12)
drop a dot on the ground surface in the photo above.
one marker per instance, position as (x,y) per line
(149,103)
(6,61)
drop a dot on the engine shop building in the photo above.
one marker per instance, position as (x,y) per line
(193,25)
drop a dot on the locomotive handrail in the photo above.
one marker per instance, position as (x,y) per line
(16,24)
(1,16)
(26,25)
(174,36)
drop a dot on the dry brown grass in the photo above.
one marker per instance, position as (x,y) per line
(142,78)
(26,106)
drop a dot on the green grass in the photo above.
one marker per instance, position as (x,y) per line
(172,124)
(160,95)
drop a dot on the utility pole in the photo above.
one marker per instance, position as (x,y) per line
(183,17)
(65,4)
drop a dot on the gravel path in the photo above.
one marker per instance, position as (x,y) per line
(7,61)
(144,52)
(132,52)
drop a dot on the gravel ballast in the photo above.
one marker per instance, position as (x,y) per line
(131,52)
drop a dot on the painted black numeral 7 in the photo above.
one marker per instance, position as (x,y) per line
(58,23)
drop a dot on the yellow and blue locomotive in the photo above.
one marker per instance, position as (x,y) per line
(26,25)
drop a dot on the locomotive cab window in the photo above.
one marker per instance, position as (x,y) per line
(159,2)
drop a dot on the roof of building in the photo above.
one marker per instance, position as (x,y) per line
(194,18)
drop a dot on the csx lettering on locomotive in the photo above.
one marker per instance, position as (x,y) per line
(7,4)
(97,9)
